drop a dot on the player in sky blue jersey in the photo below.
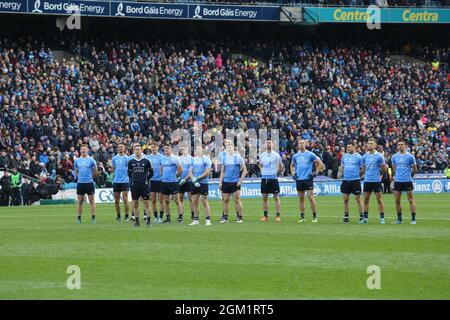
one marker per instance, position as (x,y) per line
(219,163)
(404,168)
(170,170)
(121,184)
(186,185)
(302,171)
(198,173)
(155,183)
(271,166)
(232,175)
(373,168)
(223,152)
(85,171)
(351,164)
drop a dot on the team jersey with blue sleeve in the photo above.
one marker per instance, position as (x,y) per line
(220,157)
(373,163)
(169,166)
(270,162)
(199,166)
(303,164)
(85,167)
(186,162)
(155,160)
(352,163)
(232,167)
(403,166)
(120,164)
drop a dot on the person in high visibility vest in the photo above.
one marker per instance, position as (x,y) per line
(435,65)
(253,64)
(447,171)
(16,188)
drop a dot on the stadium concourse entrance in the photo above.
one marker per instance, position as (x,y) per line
(44,28)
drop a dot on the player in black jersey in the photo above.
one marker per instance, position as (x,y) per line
(139,171)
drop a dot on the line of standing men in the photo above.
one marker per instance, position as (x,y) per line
(166,177)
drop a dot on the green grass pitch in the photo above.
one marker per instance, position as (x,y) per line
(254,260)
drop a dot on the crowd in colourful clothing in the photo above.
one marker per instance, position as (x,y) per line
(326,92)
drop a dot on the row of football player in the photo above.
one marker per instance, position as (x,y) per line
(168,177)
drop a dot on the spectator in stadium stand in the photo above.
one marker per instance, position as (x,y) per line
(334,166)
(326,159)
(386,180)
(5,183)
(109,177)
(286,163)
(43,173)
(3,160)
(219,61)
(26,191)
(100,180)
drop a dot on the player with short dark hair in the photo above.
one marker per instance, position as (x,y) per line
(351,164)
(198,173)
(271,166)
(155,183)
(231,177)
(121,183)
(302,171)
(170,169)
(139,172)
(372,169)
(85,171)
(404,168)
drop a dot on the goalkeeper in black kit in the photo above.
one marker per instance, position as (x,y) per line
(139,171)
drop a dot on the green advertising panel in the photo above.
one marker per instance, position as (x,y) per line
(375,14)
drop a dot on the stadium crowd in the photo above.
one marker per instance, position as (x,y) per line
(326,92)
